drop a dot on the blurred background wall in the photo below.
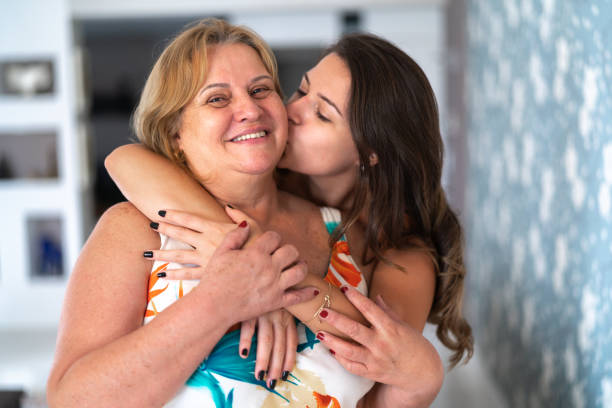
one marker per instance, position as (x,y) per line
(524,94)
(538,203)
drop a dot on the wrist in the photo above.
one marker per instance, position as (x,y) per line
(215,308)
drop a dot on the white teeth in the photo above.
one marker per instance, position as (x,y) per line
(249,136)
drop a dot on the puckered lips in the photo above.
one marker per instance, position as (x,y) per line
(253,135)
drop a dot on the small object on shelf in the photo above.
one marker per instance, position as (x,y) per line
(27,78)
(6,169)
(45,240)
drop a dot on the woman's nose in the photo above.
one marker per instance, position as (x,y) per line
(293,112)
(247,109)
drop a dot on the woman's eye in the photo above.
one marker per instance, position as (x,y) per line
(218,101)
(323,118)
(261,92)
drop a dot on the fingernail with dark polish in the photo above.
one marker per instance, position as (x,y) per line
(272,384)
(148,254)
(323,313)
(316,292)
(161,275)
(344,289)
(162,213)
(332,351)
(243,224)
(285,375)
(154,225)
(244,352)
(230,206)
(260,375)
(320,336)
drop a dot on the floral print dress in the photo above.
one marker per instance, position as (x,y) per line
(225,380)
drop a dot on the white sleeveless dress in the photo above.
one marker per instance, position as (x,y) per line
(225,380)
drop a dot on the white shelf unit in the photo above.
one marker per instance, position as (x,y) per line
(35,30)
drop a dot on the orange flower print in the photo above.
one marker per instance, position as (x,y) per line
(346,269)
(325,401)
(153,278)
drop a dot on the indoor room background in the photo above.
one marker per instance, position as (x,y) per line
(525,95)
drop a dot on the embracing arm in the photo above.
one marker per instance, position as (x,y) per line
(145,178)
(392,351)
(104,356)
(409,295)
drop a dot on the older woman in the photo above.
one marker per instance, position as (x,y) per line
(212,104)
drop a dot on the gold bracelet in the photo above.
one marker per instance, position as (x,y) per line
(326,304)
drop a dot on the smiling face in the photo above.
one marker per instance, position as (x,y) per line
(237,121)
(320,141)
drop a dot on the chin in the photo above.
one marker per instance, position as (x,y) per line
(259,167)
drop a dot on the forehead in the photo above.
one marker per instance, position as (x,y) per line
(233,61)
(332,78)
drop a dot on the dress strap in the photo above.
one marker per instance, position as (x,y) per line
(332,218)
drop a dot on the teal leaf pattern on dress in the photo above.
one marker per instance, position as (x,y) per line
(225,361)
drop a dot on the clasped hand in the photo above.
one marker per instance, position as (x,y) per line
(382,352)
(255,280)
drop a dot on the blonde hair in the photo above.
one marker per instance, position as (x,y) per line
(177,76)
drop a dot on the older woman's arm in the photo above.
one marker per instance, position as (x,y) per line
(106,358)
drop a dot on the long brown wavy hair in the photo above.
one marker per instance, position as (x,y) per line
(393,113)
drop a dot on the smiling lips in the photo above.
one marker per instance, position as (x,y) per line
(255,135)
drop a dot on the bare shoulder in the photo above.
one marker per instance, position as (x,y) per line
(123,223)
(410,290)
(123,213)
(412,260)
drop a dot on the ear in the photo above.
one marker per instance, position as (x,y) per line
(178,142)
(373,158)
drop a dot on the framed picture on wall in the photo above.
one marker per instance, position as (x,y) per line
(28,155)
(27,77)
(45,242)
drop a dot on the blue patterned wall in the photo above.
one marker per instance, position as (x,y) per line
(539,198)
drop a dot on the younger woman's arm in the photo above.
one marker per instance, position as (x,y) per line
(147,180)
(393,352)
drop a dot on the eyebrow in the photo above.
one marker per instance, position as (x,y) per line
(226,85)
(325,98)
